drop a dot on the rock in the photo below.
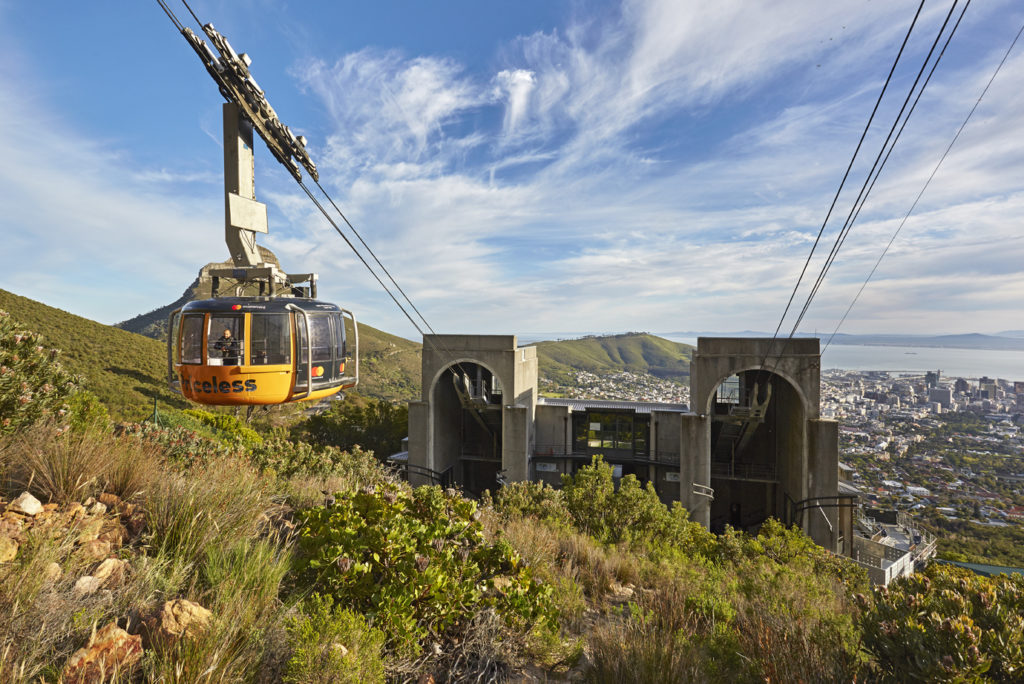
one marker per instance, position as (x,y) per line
(52,573)
(110,650)
(94,550)
(75,510)
(50,507)
(135,525)
(110,571)
(114,535)
(26,504)
(97,509)
(172,621)
(110,500)
(89,502)
(340,649)
(90,530)
(11,527)
(86,585)
(8,549)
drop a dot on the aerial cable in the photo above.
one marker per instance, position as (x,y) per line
(368,249)
(846,174)
(880,161)
(925,187)
(437,345)
(356,252)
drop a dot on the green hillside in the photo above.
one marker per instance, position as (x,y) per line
(126,371)
(637,352)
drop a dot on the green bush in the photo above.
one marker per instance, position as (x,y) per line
(227,427)
(947,625)
(332,645)
(86,411)
(375,425)
(416,564)
(529,499)
(631,514)
(33,384)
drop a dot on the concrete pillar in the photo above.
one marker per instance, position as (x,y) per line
(695,466)
(515,449)
(822,524)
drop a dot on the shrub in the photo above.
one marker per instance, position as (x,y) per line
(415,563)
(375,425)
(332,644)
(534,499)
(632,514)
(33,384)
(228,427)
(947,624)
(86,411)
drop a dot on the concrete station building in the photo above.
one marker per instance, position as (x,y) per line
(752,446)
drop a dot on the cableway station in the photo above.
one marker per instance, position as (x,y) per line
(752,446)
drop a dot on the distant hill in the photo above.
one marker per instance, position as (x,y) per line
(637,352)
(1010,340)
(126,371)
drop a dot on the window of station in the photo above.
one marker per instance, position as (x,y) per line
(225,343)
(271,339)
(729,390)
(192,338)
(595,431)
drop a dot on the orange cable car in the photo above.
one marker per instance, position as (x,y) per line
(261,351)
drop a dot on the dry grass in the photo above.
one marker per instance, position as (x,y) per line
(60,465)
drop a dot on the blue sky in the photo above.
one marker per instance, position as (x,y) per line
(525,166)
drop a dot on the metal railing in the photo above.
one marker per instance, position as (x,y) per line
(445,478)
(743,471)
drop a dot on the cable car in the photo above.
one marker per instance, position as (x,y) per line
(261,350)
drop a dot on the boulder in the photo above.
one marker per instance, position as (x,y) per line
(8,549)
(87,585)
(110,500)
(11,527)
(94,550)
(52,573)
(163,627)
(26,504)
(110,571)
(97,509)
(110,650)
(114,534)
(90,530)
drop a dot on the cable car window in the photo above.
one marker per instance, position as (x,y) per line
(271,339)
(192,338)
(320,331)
(339,339)
(226,342)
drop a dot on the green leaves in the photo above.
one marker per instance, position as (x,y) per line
(415,562)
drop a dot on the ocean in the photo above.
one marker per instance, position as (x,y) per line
(954,363)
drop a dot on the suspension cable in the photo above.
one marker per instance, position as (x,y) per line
(925,187)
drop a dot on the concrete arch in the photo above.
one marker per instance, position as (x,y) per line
(464,359)
(792,382)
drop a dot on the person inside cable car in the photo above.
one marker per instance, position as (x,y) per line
(228,348)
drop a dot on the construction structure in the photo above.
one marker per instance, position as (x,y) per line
(751,446)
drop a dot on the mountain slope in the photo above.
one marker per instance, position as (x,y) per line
(126,371)
(637,352)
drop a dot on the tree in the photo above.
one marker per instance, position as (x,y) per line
(375,425)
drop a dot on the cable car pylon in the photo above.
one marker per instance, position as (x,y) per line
(262,338)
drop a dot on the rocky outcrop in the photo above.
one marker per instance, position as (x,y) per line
(110,651)
(164,626)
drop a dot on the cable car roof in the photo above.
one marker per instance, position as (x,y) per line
(258,305)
